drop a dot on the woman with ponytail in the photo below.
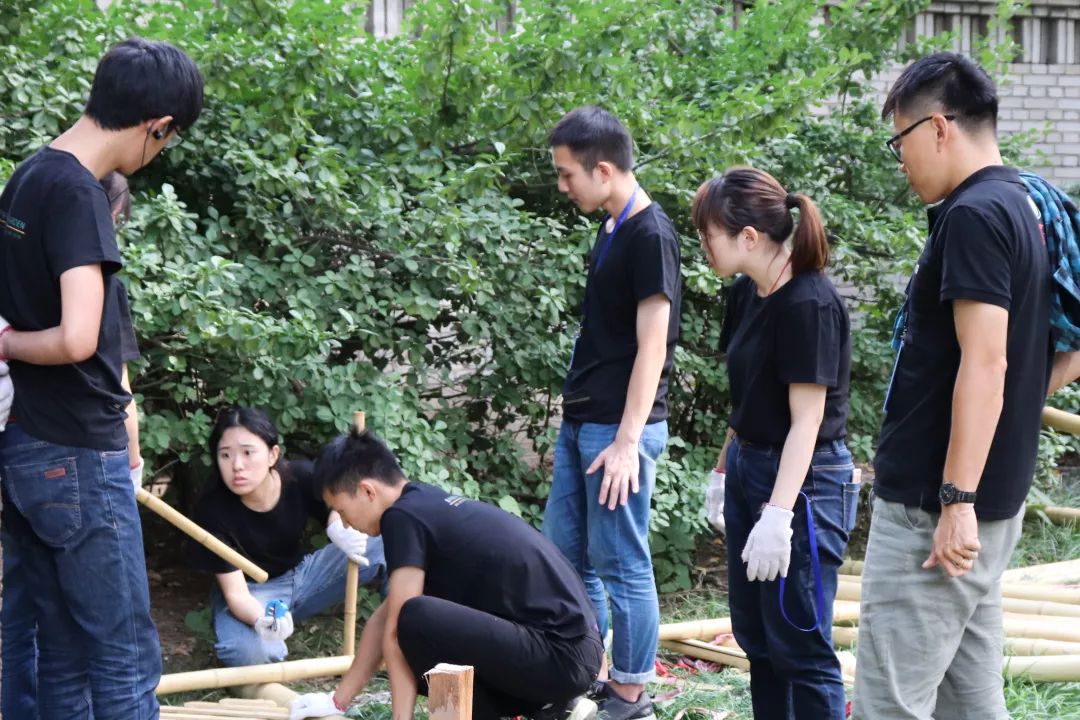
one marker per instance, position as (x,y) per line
(789,500)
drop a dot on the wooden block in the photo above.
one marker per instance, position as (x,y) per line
(450,692)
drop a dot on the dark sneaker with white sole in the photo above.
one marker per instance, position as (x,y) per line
(611,706)
(580,708)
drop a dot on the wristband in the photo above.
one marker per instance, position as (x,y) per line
(5,331)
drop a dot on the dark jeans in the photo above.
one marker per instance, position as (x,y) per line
(517,669)
(72,531)
(793,674)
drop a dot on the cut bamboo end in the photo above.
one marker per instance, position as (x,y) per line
(253,674)
(450,695)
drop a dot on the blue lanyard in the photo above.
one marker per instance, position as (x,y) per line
(815,563)
(602,252)
(618,224)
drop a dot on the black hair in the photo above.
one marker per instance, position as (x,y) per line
(949,83)
(594,135)
(747,197)
(116,187)
(348,459)
(139,80)
(251,419)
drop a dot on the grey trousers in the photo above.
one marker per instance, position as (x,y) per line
(930,646)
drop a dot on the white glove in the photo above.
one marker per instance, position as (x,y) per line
(352,542)
(7,393)
(136,475)
(313,705)
(714,500)
(274,629)
(768,549)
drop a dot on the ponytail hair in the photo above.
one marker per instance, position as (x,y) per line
(747,197)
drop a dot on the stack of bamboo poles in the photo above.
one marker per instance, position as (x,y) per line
(1041,606)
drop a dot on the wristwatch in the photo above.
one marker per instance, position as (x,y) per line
(949,494)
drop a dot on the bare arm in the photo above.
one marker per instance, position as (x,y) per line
(721,461)
(1065,371)
(982,331)
(131,424)
(405,584)
(369,656)
(807,404)
(620,459)
(82,298)
(978,396)
(242,604)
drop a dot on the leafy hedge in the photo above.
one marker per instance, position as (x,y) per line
(374,224)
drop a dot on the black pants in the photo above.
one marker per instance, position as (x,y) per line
(516,669)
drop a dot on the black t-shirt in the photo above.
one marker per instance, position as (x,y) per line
(642,261)
(273,540)
(129,346)
(985,245)
(798,334)
(479,556)
(54,216)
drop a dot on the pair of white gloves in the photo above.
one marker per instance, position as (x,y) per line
(276,624)
(767,552)
(313,705)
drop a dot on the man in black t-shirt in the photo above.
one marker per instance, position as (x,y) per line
(615,399)
(69,510)
(469,585)
(958,444)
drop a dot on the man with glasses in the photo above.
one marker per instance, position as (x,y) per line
(957,450)
(69,514)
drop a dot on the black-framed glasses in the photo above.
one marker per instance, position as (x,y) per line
(893,142)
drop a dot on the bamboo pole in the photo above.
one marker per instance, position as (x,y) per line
(270,673)
(1066,572)
(1047,668)
(851,567)
(845,637)
(450,692)
(1061,420)
(1035,646)
(1018,590)
(707,629)
(352,576)
(706,651)
(275,693)
(1062,515)
(214,710)
(852,591)
(1038,627)
(201,536)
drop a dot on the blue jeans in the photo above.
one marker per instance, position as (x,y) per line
(793,674)
(316,584)
(72,532)
(609,548)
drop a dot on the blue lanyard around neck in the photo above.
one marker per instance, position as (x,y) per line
(602,253)
(815,564)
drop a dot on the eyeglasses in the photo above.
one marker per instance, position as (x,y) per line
(893,142)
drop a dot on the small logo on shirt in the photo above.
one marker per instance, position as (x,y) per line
(12,226)
(454,500)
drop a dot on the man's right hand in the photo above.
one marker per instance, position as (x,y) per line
(313,705)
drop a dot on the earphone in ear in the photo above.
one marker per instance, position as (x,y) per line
(158,135)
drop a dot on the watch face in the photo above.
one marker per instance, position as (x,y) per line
(947,494)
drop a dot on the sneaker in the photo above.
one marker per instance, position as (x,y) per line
(612,707)
(579,708)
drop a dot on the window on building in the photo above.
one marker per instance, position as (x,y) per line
(1048,41)
(943,23)
(980,29)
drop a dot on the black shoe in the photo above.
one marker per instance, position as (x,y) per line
(579,708)
(612,707)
